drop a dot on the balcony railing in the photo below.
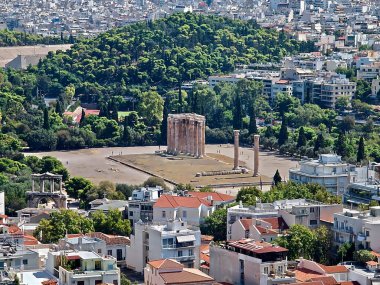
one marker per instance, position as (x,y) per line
(185,258)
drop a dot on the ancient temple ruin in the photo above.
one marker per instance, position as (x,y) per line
(186,134)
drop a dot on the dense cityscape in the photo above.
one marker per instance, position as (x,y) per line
(189,142)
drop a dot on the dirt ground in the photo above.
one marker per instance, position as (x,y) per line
(94,164)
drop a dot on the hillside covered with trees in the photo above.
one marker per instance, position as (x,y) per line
(138,70)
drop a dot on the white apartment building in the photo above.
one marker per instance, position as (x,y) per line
(329,171)
(193,207)
(281,86)
(369,71)
(334,89)
(231,78)
(360,228)
(83,268)
(292,212)
(249,262)
(174,239)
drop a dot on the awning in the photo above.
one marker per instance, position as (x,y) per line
(72,257)
(186,238)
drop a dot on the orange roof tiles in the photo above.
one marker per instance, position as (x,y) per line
(303,274)
(371,263)
(168,201)
(334,269)
(326,280)
(246,223)
(165,264)
(205,253)
(265,231)
(215,196)
(187,276)
(277,223)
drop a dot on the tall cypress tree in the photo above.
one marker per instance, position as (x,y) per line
(302,140)
(283,135)
(59,108)
(238,116)
(277,178)
(82,118)
(252,121)
(361,150)
(319,142)
(46,119)
(164,123)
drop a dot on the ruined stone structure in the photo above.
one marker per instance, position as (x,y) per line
(37,195)
(256,143)
(186,134)
(236,149)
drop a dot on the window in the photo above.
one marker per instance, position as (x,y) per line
(119,254)
(367,233)
(180,253)
(98,265)
(109,252)
(266,270)
(115,282)
(184,214)
(311,210)
(131,213)
(191,253)
(280,270)
(164,214)
(98,282)
(99,250)
(313,222)
(80,283)
(25,261)
(167,243)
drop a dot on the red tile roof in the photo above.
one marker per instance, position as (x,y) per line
(168,201)
(334,269)
(326,280)
(265,231)
(256,246)
(30,240)
(215,196)
(277,223)
(165,264)
(187,276)
(303,274)
(205,253)
(246,223)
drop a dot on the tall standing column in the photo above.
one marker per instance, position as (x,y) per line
(256,139)
(191,142)
(183,136)
(168,129)
(204,138)
(187,135)
(200,147)
(196,133)
(236,149)
(176,136)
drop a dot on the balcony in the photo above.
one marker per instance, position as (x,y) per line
(344,230)
(184,258)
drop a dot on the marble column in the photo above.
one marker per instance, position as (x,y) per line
(176,136)
(187,135)
(196,135)
(192,125)
(168,135)
(236,149)
(256,139)
(204,138)
(200,137)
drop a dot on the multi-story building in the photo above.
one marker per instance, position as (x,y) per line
(193,207)
(232,78)
(369,71)
(329,171)
(281,86)
(265,229)
(83,268)
(174,239)
(249,262)
(360,228)
(171,272)
(140,205)
(102,244)
(334,89)
(292,212)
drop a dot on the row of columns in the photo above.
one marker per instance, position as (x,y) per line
(186,134)
(256,152)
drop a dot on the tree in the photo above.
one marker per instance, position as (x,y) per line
(364,256)
(124,280)
(252,122)
(248,195)
(342,103)
(300,241)
(284,103)
(151,107)
(82,121)
(283,135)
(111,223)
(344,249)
(42,139)
(216,225)
(319,142)
(155,181)
(61,223)
(347,124)
(238,113)
(78,187)
(277,178)
(46,119)
(361,150)
(323,245)
(302,140)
